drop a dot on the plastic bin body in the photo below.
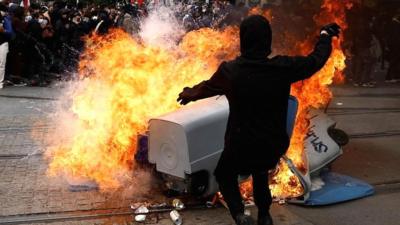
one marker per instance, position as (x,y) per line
(191,139)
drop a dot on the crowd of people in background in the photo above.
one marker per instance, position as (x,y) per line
(371,43)
(43,42)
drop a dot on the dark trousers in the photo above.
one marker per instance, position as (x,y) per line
(394,68)
(363,64)
(227,178)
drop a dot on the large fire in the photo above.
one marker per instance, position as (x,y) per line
(124,82)
(313,92)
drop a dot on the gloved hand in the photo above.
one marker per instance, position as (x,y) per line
(332,30)
(184,97)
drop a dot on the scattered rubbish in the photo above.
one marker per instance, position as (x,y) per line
(175,217)
(161,205)
(142,210)
(134,206)
(282,201)
(81,184)
(213,202)
(210,204)
(223,203)
(140,218)
(81,188)
(221,200)
(178,204)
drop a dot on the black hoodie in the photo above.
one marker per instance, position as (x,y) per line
(257,89)
(255,38)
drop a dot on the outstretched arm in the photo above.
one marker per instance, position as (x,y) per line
(303,67)
(216,85)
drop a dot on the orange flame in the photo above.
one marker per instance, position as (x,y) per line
(125,82)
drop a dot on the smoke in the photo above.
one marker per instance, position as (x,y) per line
(161,28)
(136,183)
(142,186)
(67,124)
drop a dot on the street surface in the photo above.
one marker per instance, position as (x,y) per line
(371,116)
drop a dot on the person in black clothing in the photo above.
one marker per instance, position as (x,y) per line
(16,56)
(257,89)
(361,41)
(393,44)
(104,23)
(33,37)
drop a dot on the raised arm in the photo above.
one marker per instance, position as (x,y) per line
(303,67)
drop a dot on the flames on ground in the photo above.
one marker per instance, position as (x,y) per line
(124,82)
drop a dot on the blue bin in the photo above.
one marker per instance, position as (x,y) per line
(291,114)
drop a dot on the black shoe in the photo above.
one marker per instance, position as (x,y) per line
(265,220)
(242,219)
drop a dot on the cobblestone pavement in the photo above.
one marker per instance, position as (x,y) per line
(29,196)
(24,186)
(26,192)
(16,135)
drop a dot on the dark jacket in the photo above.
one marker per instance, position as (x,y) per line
(34,29)
(18,43)
(257,89)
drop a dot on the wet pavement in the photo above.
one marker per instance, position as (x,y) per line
(29,196)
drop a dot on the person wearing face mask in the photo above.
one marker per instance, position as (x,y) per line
(28,17)
(43,22)
(47,34)
(34,27)
(5,35)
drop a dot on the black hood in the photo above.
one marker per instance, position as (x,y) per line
(255,37)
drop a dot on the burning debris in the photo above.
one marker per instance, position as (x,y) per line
(124,82)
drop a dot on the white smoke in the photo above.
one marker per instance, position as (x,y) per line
(161,28)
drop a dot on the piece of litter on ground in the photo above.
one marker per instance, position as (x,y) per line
(81,188)
(140,218)
(178,204)
(142,209)
(175,217)
(160,205)
(339,103)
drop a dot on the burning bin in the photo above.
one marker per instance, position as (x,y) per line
(185,145)
(323,144)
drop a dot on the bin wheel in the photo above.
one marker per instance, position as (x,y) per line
(339,136)
(199,183)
